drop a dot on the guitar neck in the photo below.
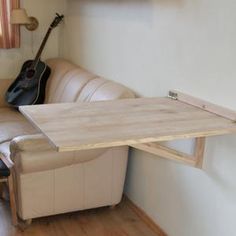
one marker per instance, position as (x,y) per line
(38,55)
(55,22)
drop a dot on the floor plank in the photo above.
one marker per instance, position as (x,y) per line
(121,221)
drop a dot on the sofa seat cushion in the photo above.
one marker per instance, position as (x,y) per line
(12,124)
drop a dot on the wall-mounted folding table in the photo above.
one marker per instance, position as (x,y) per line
(141,123)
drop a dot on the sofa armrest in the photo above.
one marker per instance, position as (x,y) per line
(33,142)
(33,153)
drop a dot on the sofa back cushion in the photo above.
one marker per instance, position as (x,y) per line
(100,89)
(70,83)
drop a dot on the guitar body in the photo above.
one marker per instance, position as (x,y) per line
(29,86)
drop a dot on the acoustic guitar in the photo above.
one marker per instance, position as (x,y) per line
(29,86)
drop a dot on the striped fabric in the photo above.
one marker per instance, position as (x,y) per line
(9,34)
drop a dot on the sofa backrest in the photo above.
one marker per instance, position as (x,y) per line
(70,83)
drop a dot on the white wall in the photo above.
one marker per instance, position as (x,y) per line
(153,46)
(44,10)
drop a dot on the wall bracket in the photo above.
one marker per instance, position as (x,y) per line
(195,160)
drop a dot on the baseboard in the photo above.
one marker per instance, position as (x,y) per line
(145,218)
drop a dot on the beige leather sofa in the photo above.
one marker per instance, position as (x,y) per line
(48,182)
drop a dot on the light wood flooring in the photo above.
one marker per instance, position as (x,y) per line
(120,221)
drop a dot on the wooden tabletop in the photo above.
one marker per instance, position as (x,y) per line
(86,125)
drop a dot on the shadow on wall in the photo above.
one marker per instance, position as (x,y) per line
(176,3)
(131,10)
(168,189)
(219,162)
(156,197)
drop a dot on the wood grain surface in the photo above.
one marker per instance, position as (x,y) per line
(77,126)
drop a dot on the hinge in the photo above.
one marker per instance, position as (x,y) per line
(173,95)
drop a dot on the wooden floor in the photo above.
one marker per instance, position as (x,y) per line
(121,221)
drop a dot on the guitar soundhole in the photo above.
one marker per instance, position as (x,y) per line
(30,73)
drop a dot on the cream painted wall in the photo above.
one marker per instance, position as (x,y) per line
(153,46)
(11,60)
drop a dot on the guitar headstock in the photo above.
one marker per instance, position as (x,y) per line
(58,18)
